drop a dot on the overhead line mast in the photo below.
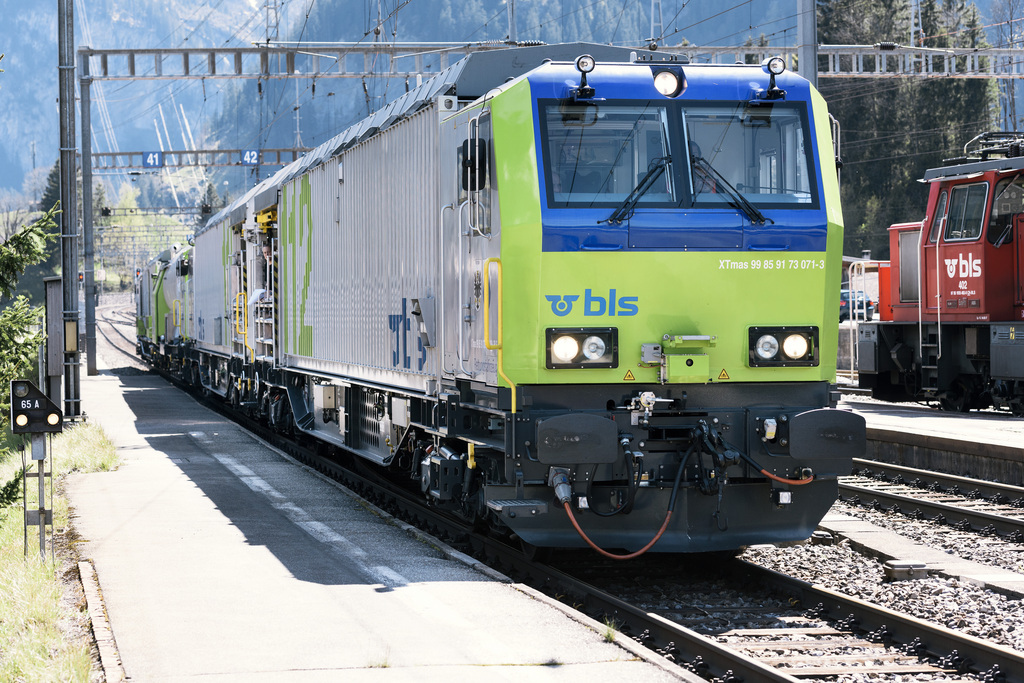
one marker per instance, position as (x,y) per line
(69,213)
(657,22)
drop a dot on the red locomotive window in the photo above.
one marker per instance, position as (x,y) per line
(966,212)
(940,213)
(1009,201)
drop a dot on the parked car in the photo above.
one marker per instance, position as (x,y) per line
(862,306)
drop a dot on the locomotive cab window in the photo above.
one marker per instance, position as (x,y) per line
(762,151)
(940,215)
(966,212)
(677,154)
(595,155)
(1008,202)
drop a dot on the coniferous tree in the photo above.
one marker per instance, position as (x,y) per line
(893,129)
(30,283)
(18,342)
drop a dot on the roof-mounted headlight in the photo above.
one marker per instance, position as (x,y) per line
(584,64)
(668,83)
(774,66)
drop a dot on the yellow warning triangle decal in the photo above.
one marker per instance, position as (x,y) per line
(723,374)
(629,376)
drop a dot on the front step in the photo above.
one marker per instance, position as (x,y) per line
(517,508)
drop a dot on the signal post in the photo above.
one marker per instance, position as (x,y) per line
(35,414)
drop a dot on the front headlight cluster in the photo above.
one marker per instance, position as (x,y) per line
(582,347)
(783,346)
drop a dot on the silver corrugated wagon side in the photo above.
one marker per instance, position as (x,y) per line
(356,250)
(211,287)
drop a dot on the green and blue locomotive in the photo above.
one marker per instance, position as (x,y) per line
(578,295)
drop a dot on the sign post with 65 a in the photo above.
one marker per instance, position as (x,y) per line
(31,411)
(35,414)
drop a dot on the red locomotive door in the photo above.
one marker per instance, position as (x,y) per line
(1018,265)
(957,271)
(930,269)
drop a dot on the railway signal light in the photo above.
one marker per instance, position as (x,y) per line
(31,411)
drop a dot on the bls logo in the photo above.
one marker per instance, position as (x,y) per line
(561,305)
(595,305)
(968,267)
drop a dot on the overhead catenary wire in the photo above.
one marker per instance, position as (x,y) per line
(278,113)
(275,114)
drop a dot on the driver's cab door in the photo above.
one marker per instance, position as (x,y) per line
(1018,268)
(929,256)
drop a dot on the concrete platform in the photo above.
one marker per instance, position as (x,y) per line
(980,444)
(220,559)
(984,426)
(888,545)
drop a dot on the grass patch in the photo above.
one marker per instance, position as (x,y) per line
(610,629)
(44,629)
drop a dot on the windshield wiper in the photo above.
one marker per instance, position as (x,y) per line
(654,171)
(738,200)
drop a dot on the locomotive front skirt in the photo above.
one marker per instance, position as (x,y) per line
(577,295)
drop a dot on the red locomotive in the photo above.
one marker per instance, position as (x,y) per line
(951,309)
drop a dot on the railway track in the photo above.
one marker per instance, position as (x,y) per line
(769,626)
(965,503)
(116,327)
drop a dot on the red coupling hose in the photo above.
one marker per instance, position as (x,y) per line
(630,556)
(781,480)
(668,514)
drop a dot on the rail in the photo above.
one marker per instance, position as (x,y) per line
(943,498)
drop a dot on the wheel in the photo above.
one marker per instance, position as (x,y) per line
(957,398)
(534,553)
